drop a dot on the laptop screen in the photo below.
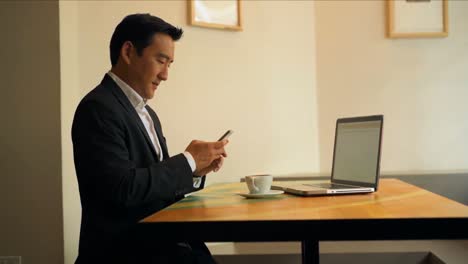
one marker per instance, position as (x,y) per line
(357,151)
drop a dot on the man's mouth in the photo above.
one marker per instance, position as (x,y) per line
(155,84)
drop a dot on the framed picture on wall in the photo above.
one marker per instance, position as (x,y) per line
(220,14)
(417,18)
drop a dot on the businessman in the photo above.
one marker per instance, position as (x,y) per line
(121,158)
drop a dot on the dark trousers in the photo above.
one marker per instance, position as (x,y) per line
(177,253)
(184,253)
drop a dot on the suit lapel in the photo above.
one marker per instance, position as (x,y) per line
(157,126)
(108,82)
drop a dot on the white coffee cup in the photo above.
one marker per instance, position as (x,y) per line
(259,184)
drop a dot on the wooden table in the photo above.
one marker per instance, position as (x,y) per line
(398,211)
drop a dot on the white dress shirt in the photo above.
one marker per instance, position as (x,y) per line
(139,104)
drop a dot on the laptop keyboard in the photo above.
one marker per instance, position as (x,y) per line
(332,186)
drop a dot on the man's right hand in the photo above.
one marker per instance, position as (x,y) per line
(204,153)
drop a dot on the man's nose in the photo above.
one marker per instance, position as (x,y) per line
(163,75)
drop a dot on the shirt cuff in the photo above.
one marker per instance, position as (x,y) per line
(190,161)
(196,180)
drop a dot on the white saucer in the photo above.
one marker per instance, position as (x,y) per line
(261,195)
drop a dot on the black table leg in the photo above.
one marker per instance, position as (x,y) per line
(310,252)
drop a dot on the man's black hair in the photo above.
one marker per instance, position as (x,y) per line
(140,29)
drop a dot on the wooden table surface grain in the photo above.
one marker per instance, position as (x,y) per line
(394,199)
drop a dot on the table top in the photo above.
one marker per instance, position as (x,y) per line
(394,199)
(398,210)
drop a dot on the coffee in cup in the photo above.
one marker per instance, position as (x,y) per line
(259,184)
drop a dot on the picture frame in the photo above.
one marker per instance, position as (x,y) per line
(220,14)
(417,18)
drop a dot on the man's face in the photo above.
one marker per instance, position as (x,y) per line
(147,71)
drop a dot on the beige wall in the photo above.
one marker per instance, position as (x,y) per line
(259,82)
(70,95)
(418,84)
(30,182)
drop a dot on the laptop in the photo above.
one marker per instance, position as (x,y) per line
(356,160)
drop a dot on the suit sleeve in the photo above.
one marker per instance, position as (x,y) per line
(106,171)
(155,118)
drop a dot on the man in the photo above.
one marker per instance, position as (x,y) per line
(122,163)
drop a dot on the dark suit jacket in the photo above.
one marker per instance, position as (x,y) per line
(120,178)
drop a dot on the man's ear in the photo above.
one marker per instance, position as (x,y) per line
(126,52)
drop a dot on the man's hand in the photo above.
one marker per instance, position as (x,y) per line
(208,156)
(214,166)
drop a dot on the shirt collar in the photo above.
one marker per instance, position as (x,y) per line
(135,99)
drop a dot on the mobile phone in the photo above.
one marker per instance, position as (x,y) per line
(226,135)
